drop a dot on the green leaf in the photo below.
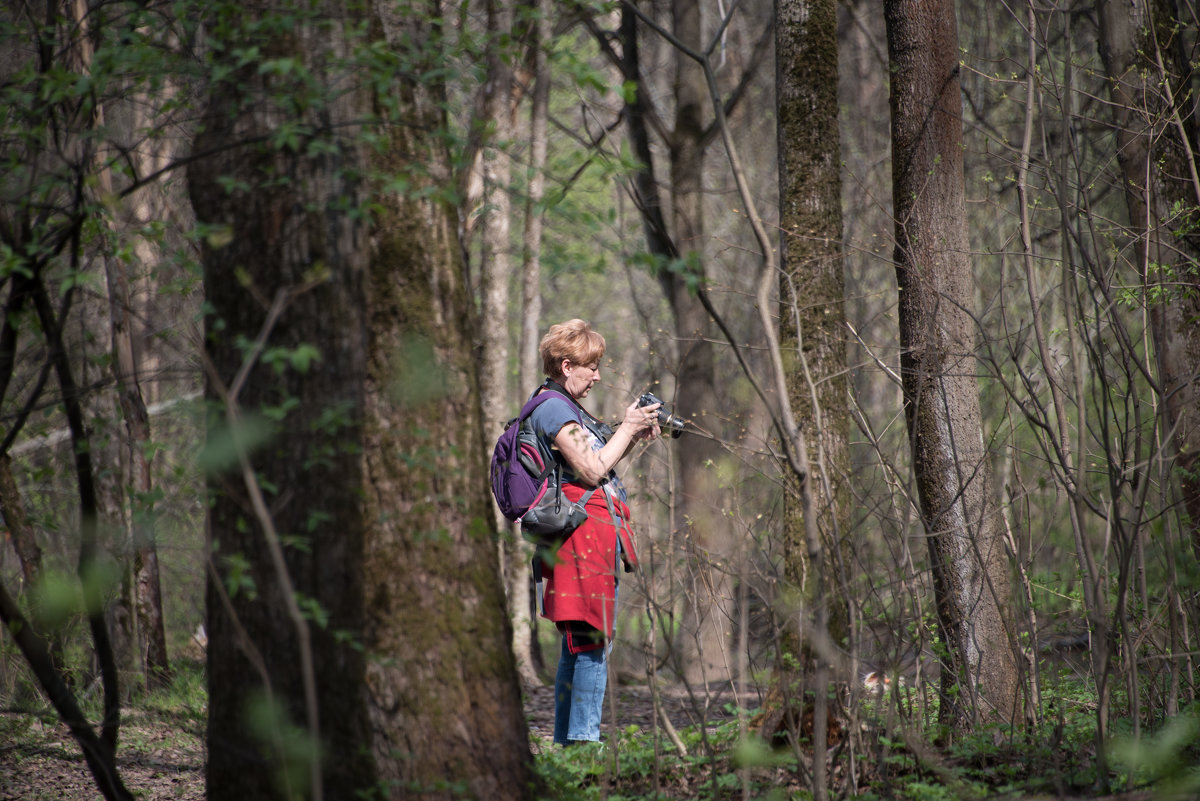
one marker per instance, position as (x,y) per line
(225,443)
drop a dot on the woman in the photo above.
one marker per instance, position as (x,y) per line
(581,577)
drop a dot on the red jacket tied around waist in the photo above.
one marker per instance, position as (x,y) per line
(581,578)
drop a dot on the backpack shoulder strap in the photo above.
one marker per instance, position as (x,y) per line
(550,464)
(537,400)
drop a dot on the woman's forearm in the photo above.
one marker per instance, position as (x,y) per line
(591,466)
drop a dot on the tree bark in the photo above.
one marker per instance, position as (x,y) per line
(937,337)
(400,665)
(1155,138)
(447,699)
(704,646)
(530,660)
(812,326)
(259,687)
(494,125)
(147,593)
(142,642)
(813,320)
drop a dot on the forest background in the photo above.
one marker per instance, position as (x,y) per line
(922,284)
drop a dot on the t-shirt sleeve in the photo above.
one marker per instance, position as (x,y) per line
(549,418)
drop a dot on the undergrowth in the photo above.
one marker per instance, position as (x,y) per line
(884,760)
(889,752)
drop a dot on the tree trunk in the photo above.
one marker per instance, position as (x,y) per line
(704,645)
(269,671)
(151,638)
(137,624)
(1158,169)
(937,338)
(494,125)
(447,697)
(1155,137)
(109,457)
(374,471)
(813,320)
(813,329)
(147,594)
(530,660)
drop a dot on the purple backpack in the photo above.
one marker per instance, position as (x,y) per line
(521,469)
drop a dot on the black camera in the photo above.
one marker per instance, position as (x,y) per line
(666,420)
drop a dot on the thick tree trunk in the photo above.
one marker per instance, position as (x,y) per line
(937,337)
(446,699)
(374,472)
(280,237)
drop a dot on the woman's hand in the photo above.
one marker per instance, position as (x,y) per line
(642,421)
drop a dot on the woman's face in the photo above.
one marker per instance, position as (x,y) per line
(579,378)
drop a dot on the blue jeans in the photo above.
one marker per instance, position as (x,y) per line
(579,694)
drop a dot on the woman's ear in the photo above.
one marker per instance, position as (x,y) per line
(562,368)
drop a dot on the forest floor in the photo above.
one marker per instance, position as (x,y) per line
(162,752)
(161,755)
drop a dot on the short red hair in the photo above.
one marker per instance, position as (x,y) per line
(573,340)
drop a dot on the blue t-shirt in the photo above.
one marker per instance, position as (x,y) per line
(549,418)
